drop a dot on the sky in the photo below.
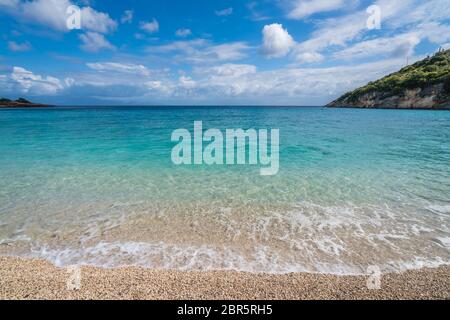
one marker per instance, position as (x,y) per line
(210,52)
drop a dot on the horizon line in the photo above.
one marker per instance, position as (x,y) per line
(162,105)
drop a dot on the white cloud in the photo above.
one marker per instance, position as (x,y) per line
(154,84)
(407,12)
(186,46)
(26,82)
(277,42)
(228,70)
(434,32)
(96,21)
(150,27)
(399,46)
(224,12)
(287,85)
(304,8)
(113,81)
(338,32)
(69,82)
(230,83)
(216,72)
(127,16)
(309,57)
(408,15)
(335,32)
(130,68)
(223,52)
(139,36)
(202,51)
(183,32)
(187,82)
(255,13)
(94,42)
(235,83)
(19,47)
(52,14)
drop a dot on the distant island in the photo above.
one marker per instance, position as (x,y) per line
(423,85)
(19,103)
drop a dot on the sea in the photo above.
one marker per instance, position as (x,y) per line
(355,189)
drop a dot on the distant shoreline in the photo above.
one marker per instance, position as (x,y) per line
(44,106)
(87,107)
(21,104)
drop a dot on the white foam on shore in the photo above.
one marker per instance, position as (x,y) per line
(207,258)
(306,237)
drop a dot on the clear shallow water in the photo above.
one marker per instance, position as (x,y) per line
(355,188)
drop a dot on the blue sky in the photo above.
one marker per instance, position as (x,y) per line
(206,52)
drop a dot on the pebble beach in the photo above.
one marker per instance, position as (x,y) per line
(38,279)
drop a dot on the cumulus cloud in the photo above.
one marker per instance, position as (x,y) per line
(22,81)
(94,42)
(183,32)
(304,8)
(19,47)
(231,83)
(150,27)
(120,67)
(277,42)
(52,14)
(244,83)
(217,74)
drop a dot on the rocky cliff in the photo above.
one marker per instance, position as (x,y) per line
(423,85)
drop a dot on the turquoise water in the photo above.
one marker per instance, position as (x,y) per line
(355,188)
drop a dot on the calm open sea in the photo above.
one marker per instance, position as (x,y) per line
(355,188)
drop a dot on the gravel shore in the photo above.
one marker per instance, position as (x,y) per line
(38,279)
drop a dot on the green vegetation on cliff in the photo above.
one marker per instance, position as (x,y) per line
(422,74)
